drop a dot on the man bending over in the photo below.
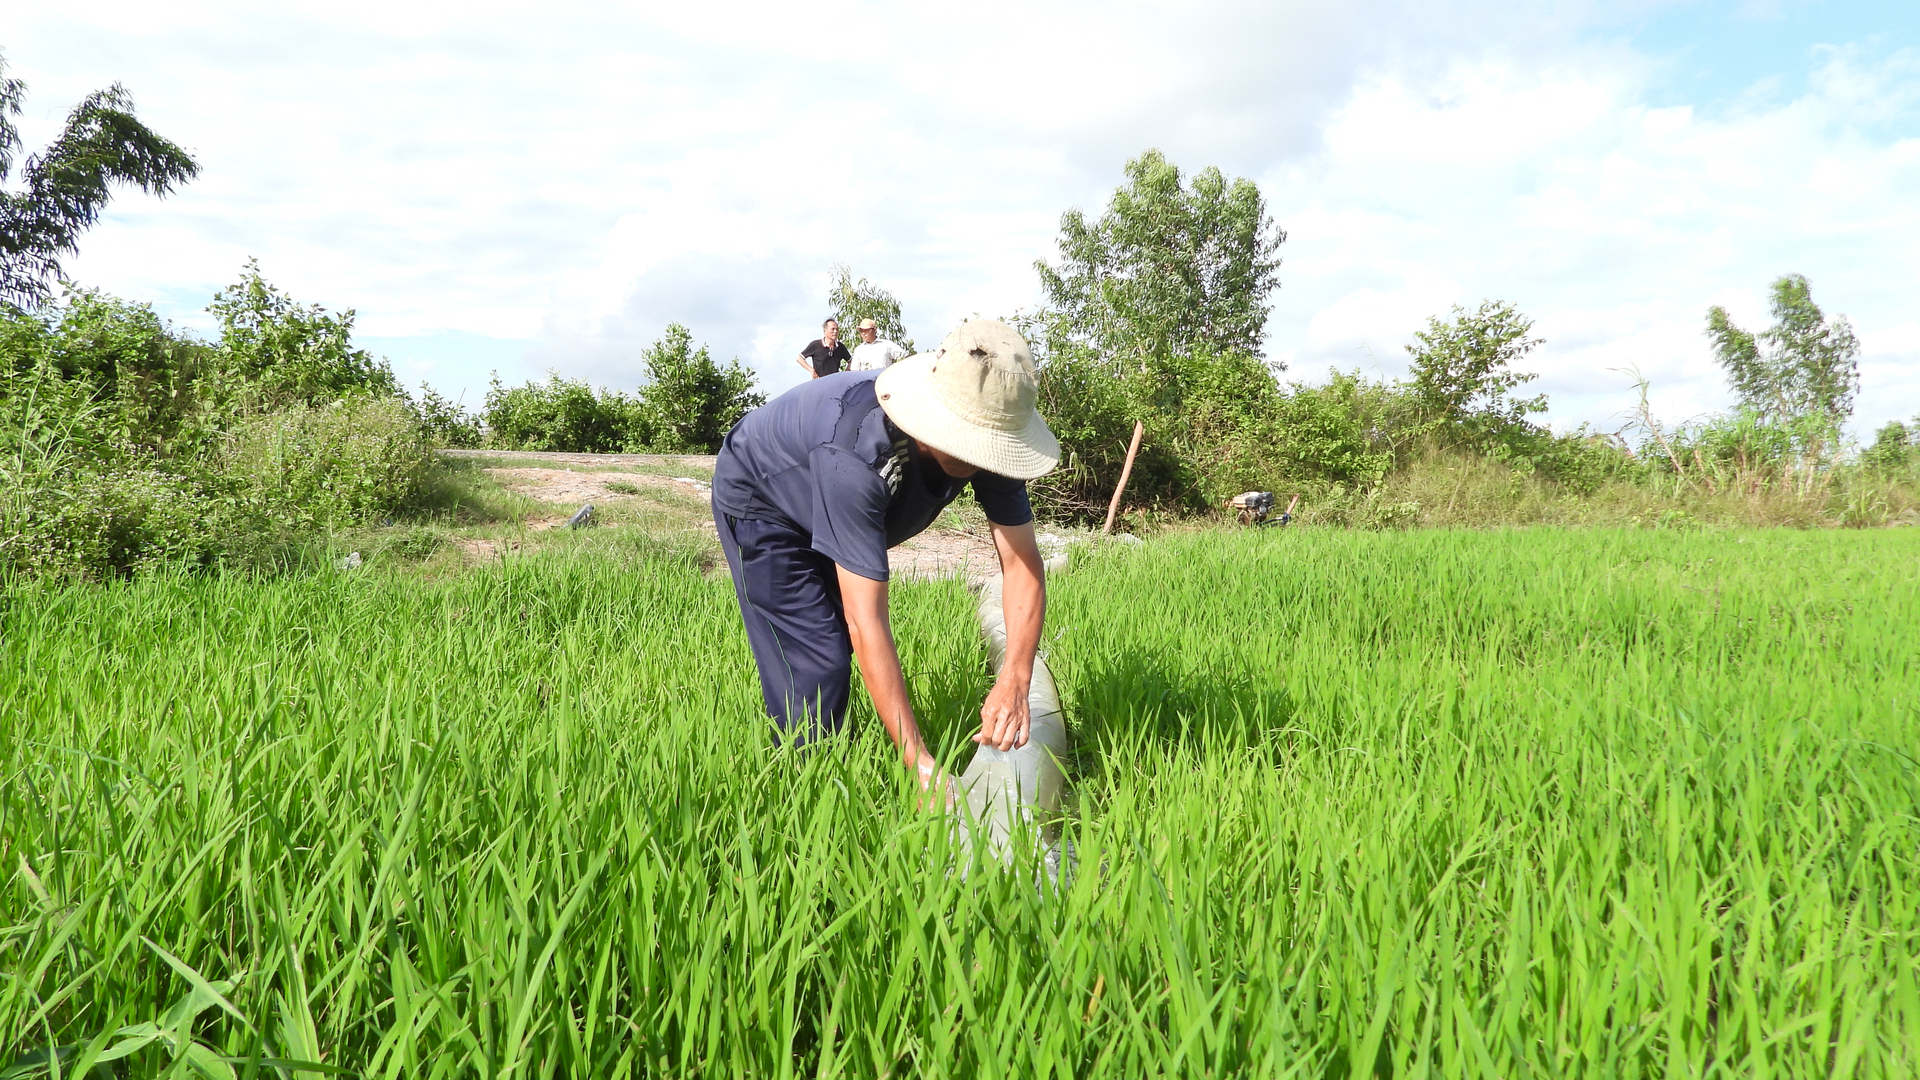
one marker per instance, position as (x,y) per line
(811,490)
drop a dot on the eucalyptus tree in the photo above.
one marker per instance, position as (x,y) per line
(65,186)
(1803,370)
(850,301)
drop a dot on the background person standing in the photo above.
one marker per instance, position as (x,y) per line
(825,354)
(874,352)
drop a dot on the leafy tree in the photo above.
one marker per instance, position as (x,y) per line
(850,301)
(1803,370)
(1170,283)
(67,184)
(691,401)
(274,351)
(1171,267)
(1461,379)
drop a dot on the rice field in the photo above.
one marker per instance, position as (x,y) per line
(1448,804)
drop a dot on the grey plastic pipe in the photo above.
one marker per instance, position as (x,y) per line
(1023,787)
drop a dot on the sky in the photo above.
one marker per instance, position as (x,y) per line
(511,189)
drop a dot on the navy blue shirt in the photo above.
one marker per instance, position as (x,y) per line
(824,460)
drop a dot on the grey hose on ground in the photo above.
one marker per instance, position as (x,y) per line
(1008,789)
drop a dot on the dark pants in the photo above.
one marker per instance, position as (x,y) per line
(790,598)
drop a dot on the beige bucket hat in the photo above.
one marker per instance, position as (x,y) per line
(973,398)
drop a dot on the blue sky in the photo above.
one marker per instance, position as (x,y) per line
(1714,55)
(492,189)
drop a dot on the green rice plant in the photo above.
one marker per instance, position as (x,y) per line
(1601,803)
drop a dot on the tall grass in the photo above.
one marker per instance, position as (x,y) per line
(1460,489)
(1429,804)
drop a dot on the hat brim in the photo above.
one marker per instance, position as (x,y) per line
(905,390)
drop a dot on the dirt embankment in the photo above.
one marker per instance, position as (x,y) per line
(606,480)
(568,486)
(703,462)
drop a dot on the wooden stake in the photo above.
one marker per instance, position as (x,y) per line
(1139,429)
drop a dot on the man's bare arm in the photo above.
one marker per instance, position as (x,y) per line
(1004,720)
(806,365)
(871,628)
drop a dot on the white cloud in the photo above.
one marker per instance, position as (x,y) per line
(1614,223)
(559,184)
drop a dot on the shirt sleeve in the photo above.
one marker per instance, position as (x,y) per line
(849,513)
(895,352)
(1004,501)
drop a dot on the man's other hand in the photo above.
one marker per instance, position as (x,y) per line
(1004,719)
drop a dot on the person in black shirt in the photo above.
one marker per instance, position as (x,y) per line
(825,354)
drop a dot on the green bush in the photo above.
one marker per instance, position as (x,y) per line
(446,422)
(126,444)
(1216,424)
(564,416)
(1581,460)
(133,373)
(100,523)
(330,465)
(687,405)
(1091,407)
(273,351)
(1319,434)
(1894,448)
(1463,385)
(690,402)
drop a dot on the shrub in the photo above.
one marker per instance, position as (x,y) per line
(1319,434)
(330,465)
(134,372)
(125,444)
(564,416)
(690,402)
(446,422)
(1581,460)
(1091,406)
(1462,382)
(97,523)
(1216,424)
(274,351)
(1893,448)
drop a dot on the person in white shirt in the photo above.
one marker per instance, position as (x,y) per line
(874,352)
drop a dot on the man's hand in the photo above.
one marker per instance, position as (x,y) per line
(1004,719)
(871,629)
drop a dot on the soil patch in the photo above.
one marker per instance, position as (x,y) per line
(939,553)
(573,488)
(698,461)
(936,553)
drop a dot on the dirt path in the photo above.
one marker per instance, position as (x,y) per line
(606,479)
(572,487)
(612,461)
